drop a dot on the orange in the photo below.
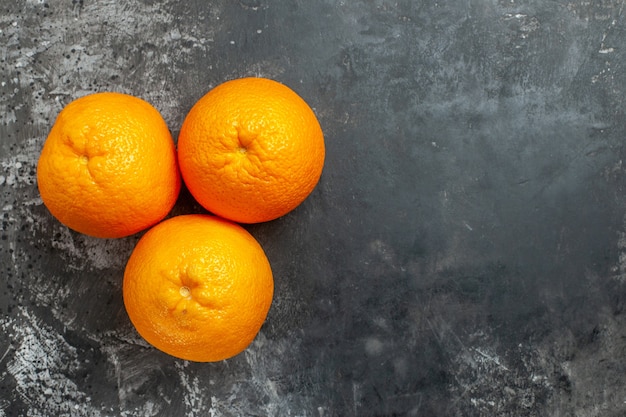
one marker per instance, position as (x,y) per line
(108,167)
(251,150)
(198,287)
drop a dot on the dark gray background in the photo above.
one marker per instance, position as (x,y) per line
(464,253)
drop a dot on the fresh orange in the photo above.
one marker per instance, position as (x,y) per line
(251,150)
(198,287)
(108,167)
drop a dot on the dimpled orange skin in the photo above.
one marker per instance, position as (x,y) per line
(198,287)
(108,167)
(251,150)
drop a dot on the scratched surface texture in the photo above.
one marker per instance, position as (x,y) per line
(464,253)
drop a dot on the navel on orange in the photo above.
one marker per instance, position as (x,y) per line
(108,166)
(251,150)
(198,287)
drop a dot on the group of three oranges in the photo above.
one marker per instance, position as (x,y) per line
(196,286)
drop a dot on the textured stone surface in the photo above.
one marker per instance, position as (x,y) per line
(463,255)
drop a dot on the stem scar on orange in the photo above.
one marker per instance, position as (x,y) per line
(198,287)
(108,167)
(251,150)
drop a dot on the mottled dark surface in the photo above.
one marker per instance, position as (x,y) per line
(464,253)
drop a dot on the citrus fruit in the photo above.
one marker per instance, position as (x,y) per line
(198,287)
(251,150)
(108,167)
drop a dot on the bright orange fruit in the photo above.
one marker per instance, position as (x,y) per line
(251,150)
(198,287)
(108,167)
